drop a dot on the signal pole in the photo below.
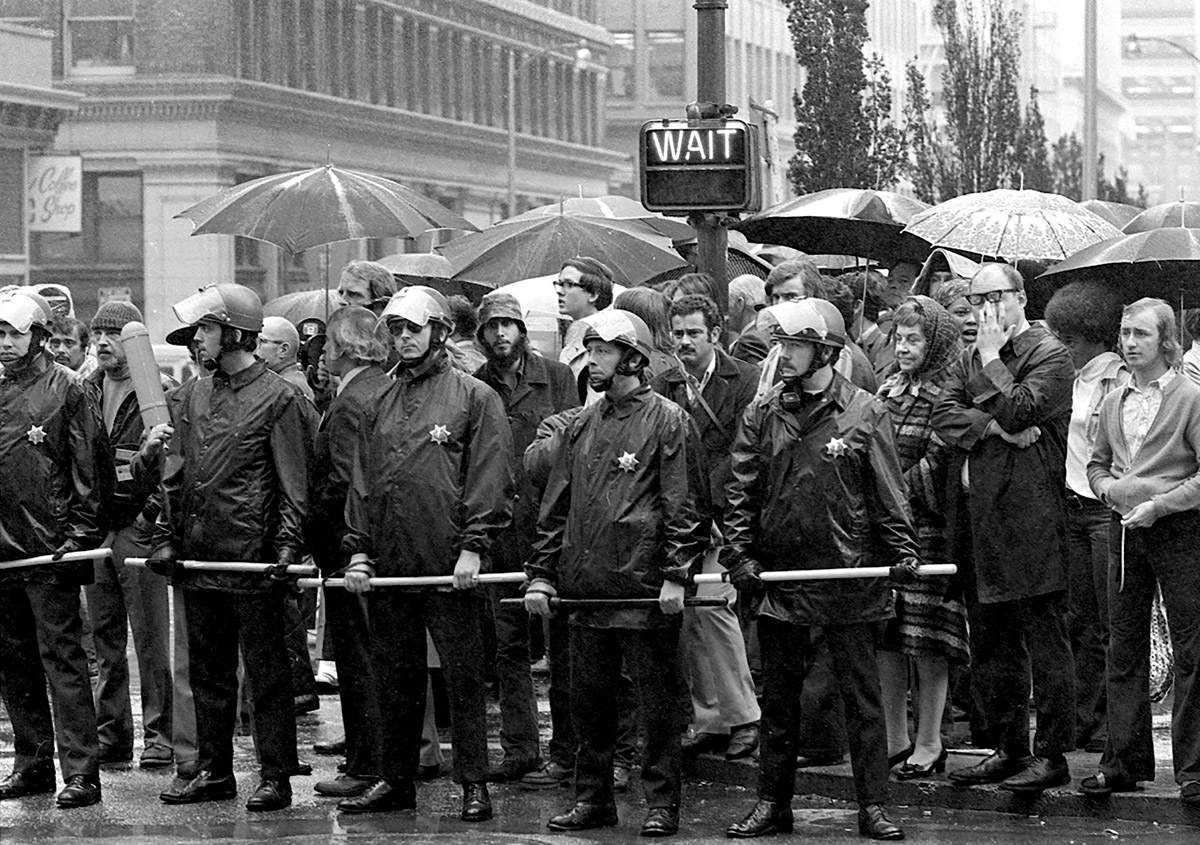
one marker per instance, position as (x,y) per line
(712,240)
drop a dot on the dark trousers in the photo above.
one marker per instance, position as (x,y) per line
(1166,552)
(563,743)
(399,619)
(822,717)
(347,626)
(296,635)
(651,656)
(1011,642)
(217,622)
(1087,610)
(518,706)
(788,656)
(40,645)
(122,598)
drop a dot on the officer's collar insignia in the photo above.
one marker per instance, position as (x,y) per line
(627,462)
(439,434)
(36,435)
(836,447)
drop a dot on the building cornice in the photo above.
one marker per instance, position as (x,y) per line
(262,105)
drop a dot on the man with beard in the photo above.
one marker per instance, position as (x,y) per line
(123,598)
(532,389)
(54,474)
(430,491)
(619,520)
(240,493)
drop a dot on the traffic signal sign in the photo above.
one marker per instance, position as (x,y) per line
(699,165)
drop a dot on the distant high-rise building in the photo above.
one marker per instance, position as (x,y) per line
(1159,74)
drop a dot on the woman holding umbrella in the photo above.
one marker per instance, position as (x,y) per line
(930,627)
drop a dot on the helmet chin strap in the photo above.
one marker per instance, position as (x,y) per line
(437,340)
(793,396)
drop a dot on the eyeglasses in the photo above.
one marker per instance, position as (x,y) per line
(263,340)
(559,283)
(789,296)
(990,296)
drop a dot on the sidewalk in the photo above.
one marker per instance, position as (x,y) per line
(1157,802)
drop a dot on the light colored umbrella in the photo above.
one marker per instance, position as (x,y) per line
(1116,213)
(1011,225)
(1179,214)
(310,208)
(611,207)
(509,252)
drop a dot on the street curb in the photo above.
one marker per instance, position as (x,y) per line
(1153,805)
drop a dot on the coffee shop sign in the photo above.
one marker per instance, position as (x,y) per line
(54,196)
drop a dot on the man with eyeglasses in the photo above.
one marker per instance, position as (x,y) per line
(279,346)
(584,286)
(1006,409)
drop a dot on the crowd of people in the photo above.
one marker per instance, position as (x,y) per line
(854,422)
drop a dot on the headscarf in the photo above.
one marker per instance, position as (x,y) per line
(943,345)
(952,290)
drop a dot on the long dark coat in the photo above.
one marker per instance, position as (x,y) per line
(1016,505)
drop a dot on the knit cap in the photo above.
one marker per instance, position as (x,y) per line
(113,315)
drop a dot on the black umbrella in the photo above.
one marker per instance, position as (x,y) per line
(1164,263)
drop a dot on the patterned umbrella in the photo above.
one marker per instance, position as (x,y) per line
(309,208)
(838,221)
(509,252)
(1011,225)
(1177,214)
(1160,262)
(1116,213)
(611,207)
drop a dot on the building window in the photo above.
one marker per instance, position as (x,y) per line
(99,36)
(665,58)
(111,231)
(621,79)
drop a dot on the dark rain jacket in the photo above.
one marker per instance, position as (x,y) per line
(136,484)
(1016,507)
(241,491)
(333,464)
(728,392)
(543,389)
(819,488)
(619,514)
(55,471)
(432,475)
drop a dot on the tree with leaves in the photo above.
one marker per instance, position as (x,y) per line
(845,136)
(1067,166)
(1032,159)
(983,108)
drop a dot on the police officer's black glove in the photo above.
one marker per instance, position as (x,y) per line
(278,571)
(904,573)
(67,546)
(745,576)
(163,561)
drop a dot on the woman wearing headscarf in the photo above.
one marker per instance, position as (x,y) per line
(930,627)
(952,296)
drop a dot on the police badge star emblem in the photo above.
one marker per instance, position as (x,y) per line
(35,435)
(836,447)
(627,462)
(439,434)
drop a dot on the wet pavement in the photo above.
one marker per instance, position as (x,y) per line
(131,814)
(717,794)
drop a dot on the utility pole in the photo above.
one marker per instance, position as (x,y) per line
(712,240)
(1091,93)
